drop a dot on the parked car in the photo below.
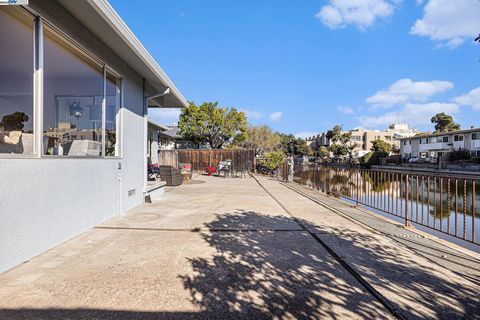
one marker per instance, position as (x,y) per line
(413,160)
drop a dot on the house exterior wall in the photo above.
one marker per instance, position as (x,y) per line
(46,201)
(167,144)
(433,148)
(415,147)
(154,144)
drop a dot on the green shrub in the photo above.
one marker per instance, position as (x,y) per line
(476,160)
(373,158)
(273,160)
(457,155)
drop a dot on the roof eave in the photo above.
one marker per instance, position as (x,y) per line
(110,16)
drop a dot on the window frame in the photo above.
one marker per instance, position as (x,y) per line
(105,68)
(38,92)
(119,114)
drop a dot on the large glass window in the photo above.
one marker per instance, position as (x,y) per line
(16,81)
(81,95)
(73,99)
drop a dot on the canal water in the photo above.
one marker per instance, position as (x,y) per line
(445,203)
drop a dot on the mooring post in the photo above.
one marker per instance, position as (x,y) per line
(406,201)
(290,169)
(357,187)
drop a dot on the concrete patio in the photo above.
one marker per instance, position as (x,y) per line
(226,248)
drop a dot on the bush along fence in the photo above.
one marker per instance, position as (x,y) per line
(201,159)
(448,204)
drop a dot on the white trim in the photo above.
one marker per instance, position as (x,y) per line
(38,87)
(104,112)
(120,127)
(145,144)
(122,30)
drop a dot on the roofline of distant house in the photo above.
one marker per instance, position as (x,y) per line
(436,134)
(123,31)
(158,124)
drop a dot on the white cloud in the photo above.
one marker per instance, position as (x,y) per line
(362,13)
(449,22)
(470,99)
(305,134)
(167,116)
(406,90)
(345,110)
(253,114)
(275,116)
(412,113)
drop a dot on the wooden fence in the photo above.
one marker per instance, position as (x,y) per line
(200,159)
(168,158)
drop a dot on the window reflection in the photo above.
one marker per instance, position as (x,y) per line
(73,95)
(112,117)
(16,82)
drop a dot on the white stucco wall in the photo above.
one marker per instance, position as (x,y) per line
(44,202)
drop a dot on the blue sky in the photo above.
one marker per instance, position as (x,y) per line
(303,66)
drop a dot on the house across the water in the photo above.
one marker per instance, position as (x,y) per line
(435,145)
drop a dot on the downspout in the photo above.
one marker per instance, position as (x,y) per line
(145,138)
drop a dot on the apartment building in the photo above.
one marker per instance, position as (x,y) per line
(363,138)
(318,141)
(435,145)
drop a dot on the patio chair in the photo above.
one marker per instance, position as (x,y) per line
(186,167)
(225,167)
(170,175)
(152,170)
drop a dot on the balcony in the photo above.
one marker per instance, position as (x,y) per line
(435,146)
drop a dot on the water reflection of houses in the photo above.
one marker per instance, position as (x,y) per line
(381,186)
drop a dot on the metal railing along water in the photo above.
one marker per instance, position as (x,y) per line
(448,204)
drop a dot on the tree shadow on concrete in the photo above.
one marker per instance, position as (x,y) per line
(415,289)
(273,273)
(93,314)
(288,274)
(283,273)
